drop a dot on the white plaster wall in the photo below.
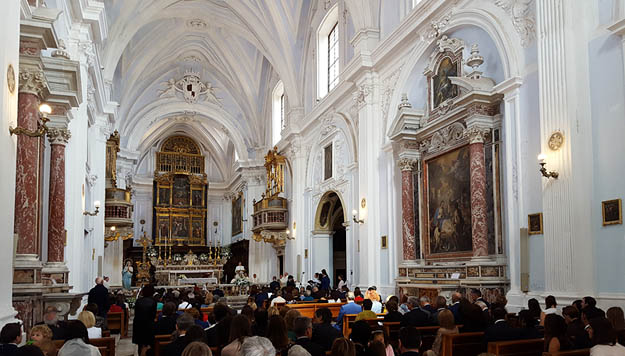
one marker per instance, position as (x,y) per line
(9,42)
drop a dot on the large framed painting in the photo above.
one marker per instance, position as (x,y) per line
(180,227)
(164,194)
(327,162)
(448,195)
(163,228)
(197,230)
(181,191)
(442,88)
(237,214)
(197,197)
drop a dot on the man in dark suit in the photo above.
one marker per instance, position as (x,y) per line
(143,322)
(425,305)
(476,296)
(10,337)
(51,320)
(100,296)
(455,306)
(324,333)
(304,330)
(220,311)
(501,330)
(416,316)
(183,324)
(575,328)
(274,284)
(349,308)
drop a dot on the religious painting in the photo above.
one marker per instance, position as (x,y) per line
(535,224)
(327,162)
(611,212)
(180,227)
(449,203)
(163,195)
(197,228)
(325,212)
(384,242)
(442,88)
(196,197)
(181,191)
(163,228)
(237,214)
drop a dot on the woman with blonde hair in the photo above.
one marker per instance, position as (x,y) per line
(447,326)
(197,348)
(289,319)
(88,319)
(273,311)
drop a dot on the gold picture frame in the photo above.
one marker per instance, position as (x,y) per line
(535,224)
(384,242)
(611,212)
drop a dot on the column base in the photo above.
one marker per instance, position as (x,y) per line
(27,274)
(55,276)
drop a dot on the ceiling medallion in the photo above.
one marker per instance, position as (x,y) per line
(11,78)
(556,141)
(191,88)
(197,24)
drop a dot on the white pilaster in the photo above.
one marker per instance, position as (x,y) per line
(565,106)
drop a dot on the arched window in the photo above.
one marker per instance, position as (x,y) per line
(277,113)
(328,53)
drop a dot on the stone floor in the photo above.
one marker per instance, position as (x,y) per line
(125,347)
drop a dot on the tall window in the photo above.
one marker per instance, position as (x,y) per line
(278,101)
(328,49)
(333,57)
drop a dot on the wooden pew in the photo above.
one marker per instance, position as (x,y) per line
(529,347)
(309,309)
(580,352)
(350,319)
(106,343)
(465,344)
(117,321)
(160,341)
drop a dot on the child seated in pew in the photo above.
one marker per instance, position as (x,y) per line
(39,334)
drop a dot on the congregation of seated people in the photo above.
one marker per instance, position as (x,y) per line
(195,321)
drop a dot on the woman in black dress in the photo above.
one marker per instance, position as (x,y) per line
(143,323)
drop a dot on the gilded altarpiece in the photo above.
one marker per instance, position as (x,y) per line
(180,188)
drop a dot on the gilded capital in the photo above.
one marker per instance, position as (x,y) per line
(58,136)
(407,164)
(32,81)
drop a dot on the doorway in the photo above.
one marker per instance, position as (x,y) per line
(330,243)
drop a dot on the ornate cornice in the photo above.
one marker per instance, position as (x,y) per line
(58,136)
(523,18)
(32,81)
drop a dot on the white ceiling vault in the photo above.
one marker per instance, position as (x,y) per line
(241,48)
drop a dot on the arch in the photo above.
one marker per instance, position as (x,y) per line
(180,143)
(139,127)
(502,33)
(327,208)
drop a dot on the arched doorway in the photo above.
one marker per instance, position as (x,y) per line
(329,250)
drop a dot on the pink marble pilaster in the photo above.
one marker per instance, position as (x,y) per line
(479,227)
(409,242)
(27,176)
(58,138)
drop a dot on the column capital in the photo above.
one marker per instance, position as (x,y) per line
(59,136)
(32,81)
(407,164)
(476,134)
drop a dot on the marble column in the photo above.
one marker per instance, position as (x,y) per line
(32,82)
(479,222)
(409,242)
(58,138)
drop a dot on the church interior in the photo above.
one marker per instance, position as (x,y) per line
(421,148)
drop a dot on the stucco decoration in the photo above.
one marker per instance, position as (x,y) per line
(523,18)
(191,89)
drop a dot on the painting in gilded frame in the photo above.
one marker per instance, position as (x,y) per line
(449,203)
(163,228)
(180,227)
(237,214)
(181,191)
(611,212)
(535,224)
(442,88)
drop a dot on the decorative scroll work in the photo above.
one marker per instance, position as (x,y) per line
(407,164)
(191,88)
(58,136)
(446,137)
(522,14)
(32,81)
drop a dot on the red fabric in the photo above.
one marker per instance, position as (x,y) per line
(116,308)
(358,299)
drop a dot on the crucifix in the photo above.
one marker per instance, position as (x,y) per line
(143,267)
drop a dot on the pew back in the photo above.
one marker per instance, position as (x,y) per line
(465,344)
(580,352)
(530,347)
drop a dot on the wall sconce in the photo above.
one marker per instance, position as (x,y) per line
(288,235)
(356,220)
(44,111)
(543,170)
(96,204)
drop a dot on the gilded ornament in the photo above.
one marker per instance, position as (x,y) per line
(363,203)
(556,141)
